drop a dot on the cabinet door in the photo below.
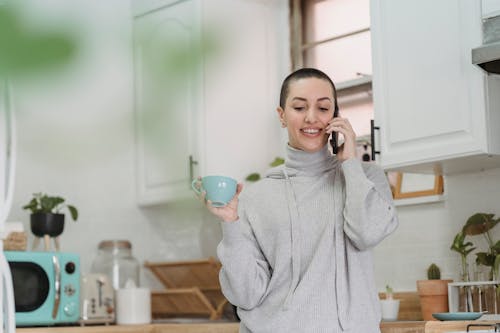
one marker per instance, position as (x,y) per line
(429,99)
(167,97)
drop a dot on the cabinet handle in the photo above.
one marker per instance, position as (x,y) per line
(372,138)
(192,163)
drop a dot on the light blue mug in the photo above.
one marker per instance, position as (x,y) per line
(220,189)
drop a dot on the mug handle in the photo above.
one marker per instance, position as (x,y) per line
(194,187)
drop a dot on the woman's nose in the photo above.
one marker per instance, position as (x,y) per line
(310,116)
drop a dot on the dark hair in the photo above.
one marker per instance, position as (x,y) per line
(302,74)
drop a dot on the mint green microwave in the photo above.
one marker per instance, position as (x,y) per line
(46,287)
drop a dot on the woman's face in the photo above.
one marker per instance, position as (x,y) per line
(308,108)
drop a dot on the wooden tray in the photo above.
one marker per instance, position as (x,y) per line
(192,289)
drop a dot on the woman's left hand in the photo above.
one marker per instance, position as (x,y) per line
(342,125)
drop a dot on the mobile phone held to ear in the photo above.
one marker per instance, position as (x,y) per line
(334,139)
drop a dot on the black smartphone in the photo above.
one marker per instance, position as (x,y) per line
(334,139)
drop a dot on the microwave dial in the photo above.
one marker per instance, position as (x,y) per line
(70,267)
(70,309)
(69,290)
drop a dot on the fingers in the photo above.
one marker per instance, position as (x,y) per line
(341,125)
(239,188)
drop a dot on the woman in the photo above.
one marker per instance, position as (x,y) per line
(296,247)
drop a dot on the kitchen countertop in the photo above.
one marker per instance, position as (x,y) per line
(152,328)
(402,326)
(229,327)
(453,326)
(206,327)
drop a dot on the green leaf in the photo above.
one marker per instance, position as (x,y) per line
(277,161)
(486,259)
(479,223)
(26,51)
(73,211)
(253,177)
(496,265)
(459,246)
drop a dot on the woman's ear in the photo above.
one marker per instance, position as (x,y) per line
(281,116)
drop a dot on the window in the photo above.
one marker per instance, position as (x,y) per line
(334,36)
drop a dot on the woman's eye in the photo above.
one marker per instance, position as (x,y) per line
(299,108)
(324,109)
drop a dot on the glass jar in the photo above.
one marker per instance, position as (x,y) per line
(114,258)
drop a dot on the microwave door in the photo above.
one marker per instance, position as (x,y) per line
(7,307)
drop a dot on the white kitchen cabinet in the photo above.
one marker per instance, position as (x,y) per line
(225,118)
(490,8)
(436,112)
(167,103)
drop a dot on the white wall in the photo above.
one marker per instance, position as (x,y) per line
(76,139)
(426,231)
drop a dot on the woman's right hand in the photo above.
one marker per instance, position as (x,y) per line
(227,213)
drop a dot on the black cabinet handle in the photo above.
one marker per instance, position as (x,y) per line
(192,163)
(372,138)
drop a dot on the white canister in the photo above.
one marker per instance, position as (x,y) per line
(133,305)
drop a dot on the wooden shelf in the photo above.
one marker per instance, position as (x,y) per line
(420,200)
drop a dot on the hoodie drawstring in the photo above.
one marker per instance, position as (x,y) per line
(341,283)
(295,239)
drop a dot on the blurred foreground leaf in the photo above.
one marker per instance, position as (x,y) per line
(24,52)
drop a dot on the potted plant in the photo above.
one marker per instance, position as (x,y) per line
(433,293)
(389,305)
(484,293)
(459,245)
(46,217)
(481,224)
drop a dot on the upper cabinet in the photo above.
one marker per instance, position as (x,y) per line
(167,98)
(435,110)
(220,117)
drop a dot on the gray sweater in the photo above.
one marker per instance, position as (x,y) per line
(298,259)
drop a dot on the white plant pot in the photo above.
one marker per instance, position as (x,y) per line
(390,309)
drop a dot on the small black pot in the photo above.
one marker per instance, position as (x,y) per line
(47,224)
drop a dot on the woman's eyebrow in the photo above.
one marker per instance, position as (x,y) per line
(305,100)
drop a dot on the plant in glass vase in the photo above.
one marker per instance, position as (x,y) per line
(481,224)
(485,291)
(463,249)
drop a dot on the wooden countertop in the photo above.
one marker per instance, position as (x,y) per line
(152,328)
(386,327)
(402,327)
(209,327)
(453,326)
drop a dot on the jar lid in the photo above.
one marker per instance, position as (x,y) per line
(115,244)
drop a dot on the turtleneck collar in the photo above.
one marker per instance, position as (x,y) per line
(309,164)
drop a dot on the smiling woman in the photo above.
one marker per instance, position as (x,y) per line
(280,233)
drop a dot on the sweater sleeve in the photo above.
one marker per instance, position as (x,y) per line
(369,212)
(245,273)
